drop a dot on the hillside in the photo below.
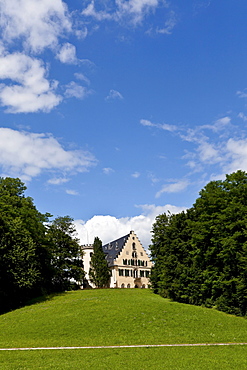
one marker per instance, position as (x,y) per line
(116,317)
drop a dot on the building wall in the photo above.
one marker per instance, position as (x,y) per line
(87,253)
(133,261)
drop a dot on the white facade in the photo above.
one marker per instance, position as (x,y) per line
(129,262)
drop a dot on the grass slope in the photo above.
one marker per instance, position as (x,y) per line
(120,317)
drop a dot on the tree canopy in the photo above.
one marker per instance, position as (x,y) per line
(201,255)
(65,253)
(99,272)
(36,256)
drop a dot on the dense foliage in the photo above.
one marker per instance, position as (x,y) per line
(201,255)
(36,256)
(99,272)
(65,253)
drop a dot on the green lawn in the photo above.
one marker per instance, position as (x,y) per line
(120,317)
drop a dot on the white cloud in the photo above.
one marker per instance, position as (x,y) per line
(136,10)
(67,54)
(236,151)
(208,153)
(163,126)
(136,175)
(169,24)
(217,126)
(108,170)
(31,91)
(26,155)
(175,187)
(38,24)
(131,11)
(81,77)
(242,94)
(101,15)
(109,228)
(242,116)
(72,192)
(114,94)
(57,180)
(153,178)
(74,90)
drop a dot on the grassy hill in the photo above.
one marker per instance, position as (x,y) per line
(120,317)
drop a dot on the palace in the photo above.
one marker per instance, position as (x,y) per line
(129,262)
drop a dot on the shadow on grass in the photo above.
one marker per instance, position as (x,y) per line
(33,301)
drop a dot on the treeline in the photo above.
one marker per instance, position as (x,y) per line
(201,255)
(36,256)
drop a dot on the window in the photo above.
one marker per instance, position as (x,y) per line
(147,274)
(91,253)
(121,272)
(122,286)
(127,253)
(134,255)
(141,273)
(125,262)
(141,253)
(128,286)
(128,262)
(133,246)
(126,272)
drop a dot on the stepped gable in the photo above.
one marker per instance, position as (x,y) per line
(113,249)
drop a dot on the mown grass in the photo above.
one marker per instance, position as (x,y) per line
(193,358)
(120,317)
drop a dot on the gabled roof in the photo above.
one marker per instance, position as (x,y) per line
(113,248)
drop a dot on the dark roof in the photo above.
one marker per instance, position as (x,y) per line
(113,249)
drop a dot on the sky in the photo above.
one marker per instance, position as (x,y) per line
(113,112)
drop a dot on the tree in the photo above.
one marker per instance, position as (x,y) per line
(201,256)
(22,235)
(65,254)
(99,272)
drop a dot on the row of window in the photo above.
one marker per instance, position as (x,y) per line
(133,262)
(133,273)
(127,252)
(128,286)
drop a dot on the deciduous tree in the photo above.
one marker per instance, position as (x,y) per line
(65,254)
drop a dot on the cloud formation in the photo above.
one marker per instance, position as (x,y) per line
(174,187)
(74,90)
(26,155)
(131,11)
(109,228)
(219,147)
(27,28)
(162,126)
(114,94)
(67,54)
(169,25)
(30,90)
(36,24)
(108,170)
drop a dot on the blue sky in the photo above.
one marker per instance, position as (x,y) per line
(113,112)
